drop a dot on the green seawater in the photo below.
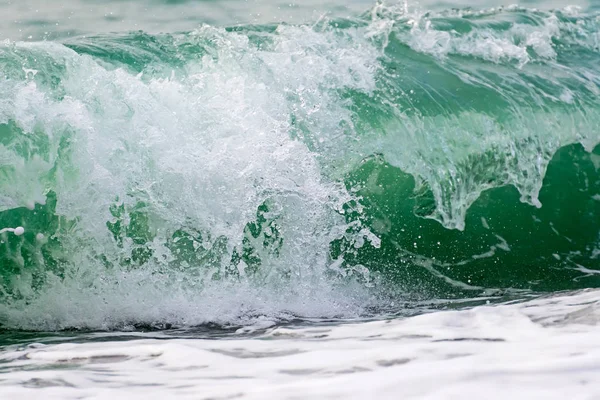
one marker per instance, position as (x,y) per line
(345,165)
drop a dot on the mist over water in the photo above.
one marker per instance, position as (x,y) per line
(36,20)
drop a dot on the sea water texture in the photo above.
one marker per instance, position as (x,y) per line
(230,184)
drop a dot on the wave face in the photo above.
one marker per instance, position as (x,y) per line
(323,170)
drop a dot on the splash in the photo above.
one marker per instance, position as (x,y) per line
(279,170)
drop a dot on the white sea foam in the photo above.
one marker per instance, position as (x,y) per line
(199,152)
(547,348)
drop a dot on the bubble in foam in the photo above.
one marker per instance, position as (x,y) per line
(18,231)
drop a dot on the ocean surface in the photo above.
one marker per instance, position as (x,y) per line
(273,200)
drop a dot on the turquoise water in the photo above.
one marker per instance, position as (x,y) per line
(255,200)
(183,163)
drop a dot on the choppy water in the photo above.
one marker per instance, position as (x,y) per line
(547,348)
(224,174)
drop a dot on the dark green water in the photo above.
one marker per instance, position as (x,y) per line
(329,168)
